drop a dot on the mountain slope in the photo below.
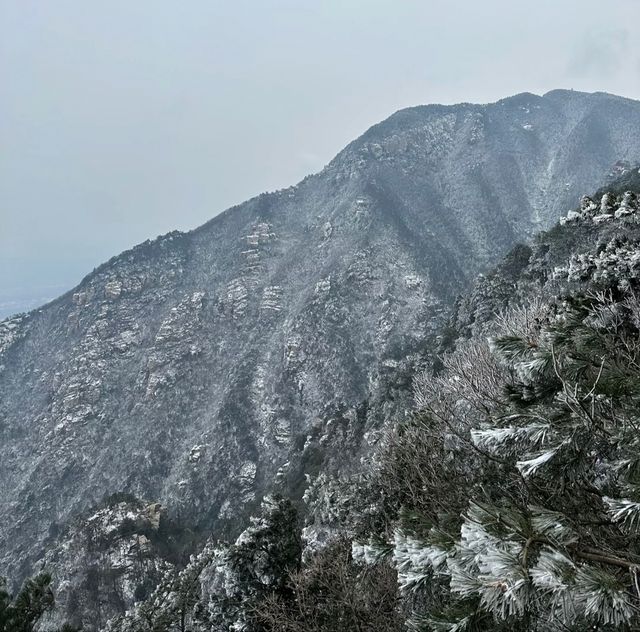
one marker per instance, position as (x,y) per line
(528,517)
(508,500)
(197,368)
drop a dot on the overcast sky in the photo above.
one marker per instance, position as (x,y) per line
(124,119)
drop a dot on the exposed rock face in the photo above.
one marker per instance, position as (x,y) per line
(199,368)
(104,561)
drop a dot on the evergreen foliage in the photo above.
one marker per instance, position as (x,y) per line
(23,612)
(528,518)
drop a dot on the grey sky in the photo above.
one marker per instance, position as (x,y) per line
(124,119)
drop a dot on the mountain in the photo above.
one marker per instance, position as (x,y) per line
(507,500)
(202,370)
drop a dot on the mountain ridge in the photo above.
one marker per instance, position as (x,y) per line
(402,113)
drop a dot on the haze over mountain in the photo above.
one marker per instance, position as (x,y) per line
(121,121)
(202,369)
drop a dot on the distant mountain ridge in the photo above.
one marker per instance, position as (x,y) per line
(202,369)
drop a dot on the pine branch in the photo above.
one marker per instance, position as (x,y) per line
(594,555)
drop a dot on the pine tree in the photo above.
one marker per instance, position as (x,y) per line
(5,603)
(549,536)
(256,565)
(22,613)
